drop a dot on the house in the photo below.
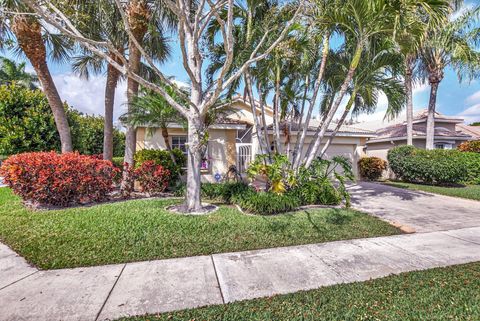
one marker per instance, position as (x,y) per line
(232,139)
(449,133)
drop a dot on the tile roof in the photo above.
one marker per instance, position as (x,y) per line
(314,123)
(419,130)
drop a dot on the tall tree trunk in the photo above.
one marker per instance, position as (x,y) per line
(28,32)
(320,133)
(430,139)
(298,151)
(196,132)
(276,110)
(339,124)
(112,80)
(409,92)
(138,15)
(264,120)
(256,124)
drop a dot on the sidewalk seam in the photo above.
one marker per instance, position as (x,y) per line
(110,292)
(461,239)
(18,280)
(218,280)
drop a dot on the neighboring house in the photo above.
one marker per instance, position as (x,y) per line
(232,139)
(474,131)
(449,133)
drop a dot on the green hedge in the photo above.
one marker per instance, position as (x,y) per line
(267,203)
(435,167)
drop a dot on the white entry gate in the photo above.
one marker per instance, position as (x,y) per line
(244,156)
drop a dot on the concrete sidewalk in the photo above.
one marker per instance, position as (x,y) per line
(114,291)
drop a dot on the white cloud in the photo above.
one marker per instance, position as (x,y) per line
(474,98)
(418,89)
(471,114)
(87,96)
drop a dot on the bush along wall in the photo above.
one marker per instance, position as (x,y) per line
(435,167)
(163,158)
(371,168)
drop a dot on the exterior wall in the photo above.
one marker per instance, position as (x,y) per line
(350,147)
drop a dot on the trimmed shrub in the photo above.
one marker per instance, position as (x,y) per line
(472,162)
(164,158)
(437,166)
(152,177)
(266,203)
(471,146)
(58,179)
(371,168)
(223,192)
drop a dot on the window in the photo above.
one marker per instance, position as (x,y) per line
(180,143)
(443,146)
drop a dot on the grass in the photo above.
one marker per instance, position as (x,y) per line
(469,191)
(451,293)
(142,230)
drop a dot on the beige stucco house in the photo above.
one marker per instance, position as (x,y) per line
(449,133)
(232,139)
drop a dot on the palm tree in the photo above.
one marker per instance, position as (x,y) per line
(453,45)
(378,74)
(32,40)
(413,21)
(108,26)
(153,111)
(10,71)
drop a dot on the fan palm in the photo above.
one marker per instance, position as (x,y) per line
(26,35)
(109,26)
(10,72)
(453,46)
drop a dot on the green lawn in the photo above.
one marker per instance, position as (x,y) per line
(451,293)
(143,230)
(470,191)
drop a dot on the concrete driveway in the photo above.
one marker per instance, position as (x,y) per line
(422,211)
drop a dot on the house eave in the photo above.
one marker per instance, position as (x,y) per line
(394,139)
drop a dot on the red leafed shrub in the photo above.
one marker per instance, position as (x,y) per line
(470,146)
(58,179)
(152,177)
(371,168)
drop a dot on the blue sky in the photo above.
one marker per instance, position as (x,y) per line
(454,98)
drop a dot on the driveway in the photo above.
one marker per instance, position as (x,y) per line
(422,211)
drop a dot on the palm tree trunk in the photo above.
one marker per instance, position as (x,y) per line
(276,110)
(299,145)
(339,124)
(138,13)
(430,139)
(409,92)
(28,32)
(111,85)
(264,119)
(320,133)
(256,125)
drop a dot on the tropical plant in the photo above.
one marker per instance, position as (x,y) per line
(26,34)
(453,45)
(470,146)
(10,72)
(277,172)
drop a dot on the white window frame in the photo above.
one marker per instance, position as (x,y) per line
(178,145)
(443,145)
